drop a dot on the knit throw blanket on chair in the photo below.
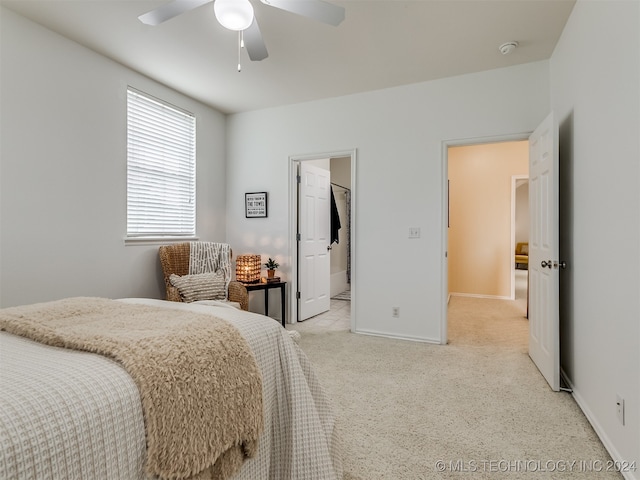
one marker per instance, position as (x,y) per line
(208,257)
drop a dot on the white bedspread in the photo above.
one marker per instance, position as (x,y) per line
(68,414)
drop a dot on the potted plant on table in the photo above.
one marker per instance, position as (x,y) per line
(271,265)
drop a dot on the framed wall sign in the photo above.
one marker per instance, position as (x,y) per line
(255,204)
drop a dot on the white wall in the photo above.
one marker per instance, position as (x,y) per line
(398,134)
(63,171)
(595,90)
(522,213)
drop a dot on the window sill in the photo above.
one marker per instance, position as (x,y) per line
(156,240)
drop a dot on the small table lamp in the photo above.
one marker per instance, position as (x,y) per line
(248,268)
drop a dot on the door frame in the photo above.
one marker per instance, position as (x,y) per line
(444,273)
(294,160)
(514,187)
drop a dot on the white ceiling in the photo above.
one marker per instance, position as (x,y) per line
(380,44)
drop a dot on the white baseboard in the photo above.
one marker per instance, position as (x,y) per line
(475,295)
(398,337)
(604,438)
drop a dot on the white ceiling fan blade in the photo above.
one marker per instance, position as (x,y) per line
(254,43)
(170,10)
(315,9)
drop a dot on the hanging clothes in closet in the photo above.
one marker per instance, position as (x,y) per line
(335,220)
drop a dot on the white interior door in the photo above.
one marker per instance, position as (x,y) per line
(544,330)
(314,226)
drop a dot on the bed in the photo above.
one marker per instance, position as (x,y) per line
(73,414)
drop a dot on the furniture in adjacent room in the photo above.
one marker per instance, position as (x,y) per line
(175,259)
(265,287)
(522,255)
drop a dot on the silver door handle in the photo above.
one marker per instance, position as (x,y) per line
(328,248)
(545,263)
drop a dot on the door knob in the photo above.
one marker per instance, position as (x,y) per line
(545,263)
(328,248)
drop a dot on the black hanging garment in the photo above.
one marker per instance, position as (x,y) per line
(335,220)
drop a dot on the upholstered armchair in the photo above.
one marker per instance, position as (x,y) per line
(175,260)
(522,254)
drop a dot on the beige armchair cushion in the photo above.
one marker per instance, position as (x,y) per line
(202,286)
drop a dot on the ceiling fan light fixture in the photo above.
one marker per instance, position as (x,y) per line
(234,14)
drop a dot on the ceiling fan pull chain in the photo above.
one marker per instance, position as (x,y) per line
(239,49)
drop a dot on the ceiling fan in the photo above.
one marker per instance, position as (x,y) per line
(238,15)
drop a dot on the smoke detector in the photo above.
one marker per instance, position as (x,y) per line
(507,48)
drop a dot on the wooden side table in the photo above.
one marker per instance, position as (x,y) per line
(265,287)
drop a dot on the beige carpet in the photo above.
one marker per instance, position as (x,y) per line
(477,405)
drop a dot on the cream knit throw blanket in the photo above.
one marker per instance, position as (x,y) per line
(200,387)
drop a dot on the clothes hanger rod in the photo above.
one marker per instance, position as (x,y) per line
(340,186)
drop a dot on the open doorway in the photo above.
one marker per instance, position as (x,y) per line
(341,272)
(520,232)
(544,263)
(485,219)
(340,279)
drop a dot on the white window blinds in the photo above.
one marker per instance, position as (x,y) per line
(161,168)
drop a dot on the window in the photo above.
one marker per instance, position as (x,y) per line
(161,169)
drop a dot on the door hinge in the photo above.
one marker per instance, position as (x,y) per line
(298,295)
(298,237)
(298,178)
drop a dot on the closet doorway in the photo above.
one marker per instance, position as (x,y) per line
(341,273)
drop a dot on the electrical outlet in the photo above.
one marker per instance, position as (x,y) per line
(620,408)
(414,232)
(395,312)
